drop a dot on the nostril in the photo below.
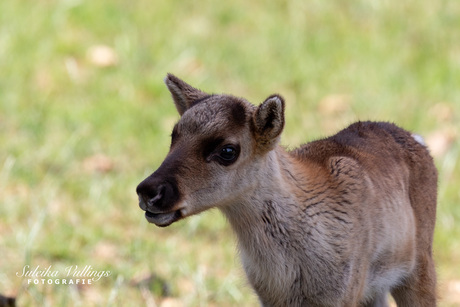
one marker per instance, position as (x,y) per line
(159,195)
(156,198)
(149,193)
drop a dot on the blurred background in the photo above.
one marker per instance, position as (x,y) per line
(85,116)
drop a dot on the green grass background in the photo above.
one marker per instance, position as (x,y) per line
(334,62)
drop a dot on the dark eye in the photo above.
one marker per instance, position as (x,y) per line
(228,154)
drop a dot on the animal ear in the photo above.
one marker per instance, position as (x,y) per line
(183,94)
(268,121)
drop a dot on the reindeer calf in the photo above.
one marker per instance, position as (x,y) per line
(341,221)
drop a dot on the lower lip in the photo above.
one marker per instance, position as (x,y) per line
(150,214)
(162,219)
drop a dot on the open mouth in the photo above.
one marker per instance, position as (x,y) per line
(163,219)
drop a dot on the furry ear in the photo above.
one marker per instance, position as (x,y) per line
(268,121)
(183,94)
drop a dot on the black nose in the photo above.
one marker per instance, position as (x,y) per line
(152,198)
(157,194)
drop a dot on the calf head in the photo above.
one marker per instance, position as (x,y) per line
(217,150)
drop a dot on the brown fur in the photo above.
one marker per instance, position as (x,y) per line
(342,221)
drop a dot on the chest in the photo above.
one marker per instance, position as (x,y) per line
(272,275)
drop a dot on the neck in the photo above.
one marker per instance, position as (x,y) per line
(265,222)
(263,216)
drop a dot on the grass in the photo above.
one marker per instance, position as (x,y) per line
(78,135)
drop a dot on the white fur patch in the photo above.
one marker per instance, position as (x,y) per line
(419,139)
